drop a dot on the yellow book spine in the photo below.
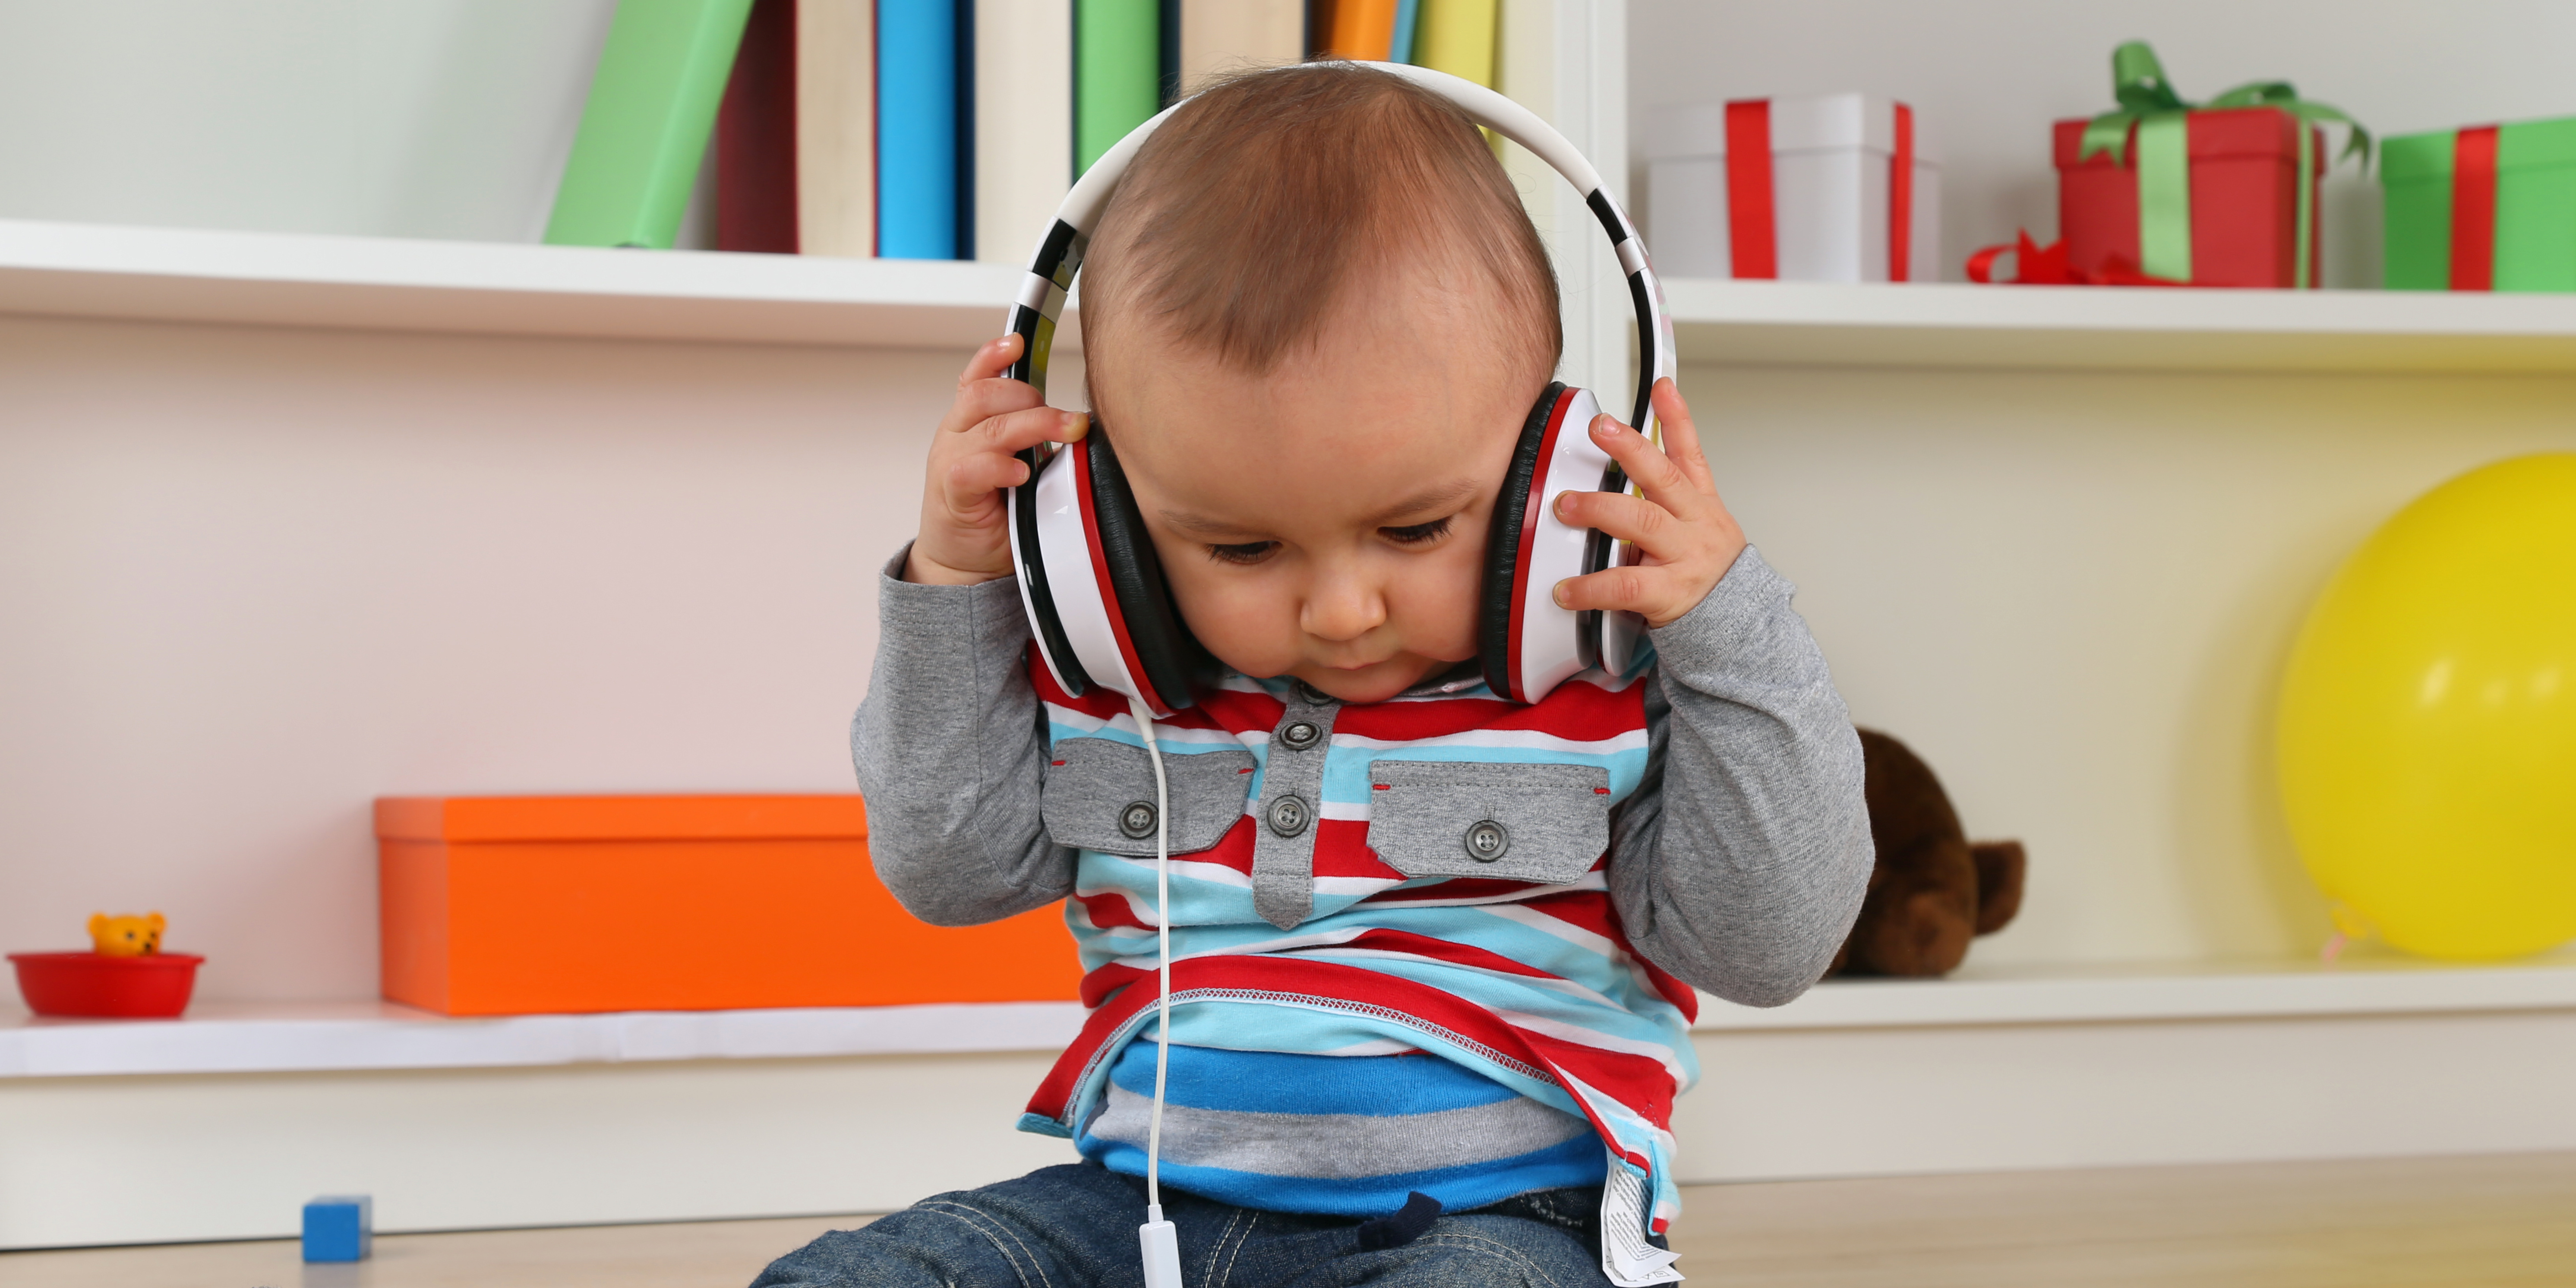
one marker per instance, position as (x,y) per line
(1457,37)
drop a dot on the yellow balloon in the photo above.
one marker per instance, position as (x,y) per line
(2428,719)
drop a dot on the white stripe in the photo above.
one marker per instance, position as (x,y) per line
(1073,718)
(1490,739)
(1552,983)
(1570,933)
(1033,292)
(1660,1052)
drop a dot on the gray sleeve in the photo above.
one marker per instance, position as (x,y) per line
(1740,862)
(950,753)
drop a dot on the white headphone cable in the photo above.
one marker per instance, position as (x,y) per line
(1160,1241)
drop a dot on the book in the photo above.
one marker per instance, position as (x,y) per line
(917,129)
(644,127)
(836,128)
(1236,35)
(1457,37)
(1408,17)
(1362,30)
(1023,134)
(1117,73)
(756,136)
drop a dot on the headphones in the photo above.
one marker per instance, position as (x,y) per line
(1094,592)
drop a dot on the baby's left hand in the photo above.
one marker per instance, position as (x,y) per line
(1687,538)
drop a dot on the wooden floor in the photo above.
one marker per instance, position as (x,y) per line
(2502,1221)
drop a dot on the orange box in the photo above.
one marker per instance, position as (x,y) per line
(511,905)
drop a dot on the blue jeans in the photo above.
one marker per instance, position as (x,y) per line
(1074,1226)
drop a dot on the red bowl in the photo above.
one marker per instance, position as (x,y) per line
(151,987)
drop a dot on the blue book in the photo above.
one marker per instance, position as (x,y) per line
(917,129)
(1408,16)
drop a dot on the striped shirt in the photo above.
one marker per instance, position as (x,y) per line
(1419,1025)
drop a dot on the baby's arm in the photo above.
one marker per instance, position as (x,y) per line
(950,745)
(1741,861)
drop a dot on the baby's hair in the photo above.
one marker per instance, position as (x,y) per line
(1257,209)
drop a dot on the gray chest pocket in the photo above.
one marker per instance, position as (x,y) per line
(1546,823)
(1099,795)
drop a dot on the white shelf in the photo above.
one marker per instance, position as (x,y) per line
(280,279)
(374,283)
(314,1037)
(1940,325)
(2376,985)
(319,1036)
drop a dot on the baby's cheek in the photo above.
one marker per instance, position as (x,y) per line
(1247,627)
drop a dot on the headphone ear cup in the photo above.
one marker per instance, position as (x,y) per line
(1162,656)
(1035,526)
(1498,601)
(1525,643)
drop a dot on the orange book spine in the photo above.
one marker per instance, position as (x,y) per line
(1363,30)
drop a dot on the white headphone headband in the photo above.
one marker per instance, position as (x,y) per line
(1059,253)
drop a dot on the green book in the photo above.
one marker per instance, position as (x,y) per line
(1117,73)
(2533,187)
(644,129)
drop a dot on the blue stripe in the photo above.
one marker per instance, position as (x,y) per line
(1578,1161)
(1278,1082)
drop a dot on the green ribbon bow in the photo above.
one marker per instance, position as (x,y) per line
(2148,101)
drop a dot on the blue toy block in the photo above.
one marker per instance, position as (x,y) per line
(339,1227)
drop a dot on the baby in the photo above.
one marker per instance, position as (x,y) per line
(1433,951)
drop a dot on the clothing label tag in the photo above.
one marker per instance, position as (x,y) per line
(1626,1257)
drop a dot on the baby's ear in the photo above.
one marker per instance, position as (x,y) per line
(97,924)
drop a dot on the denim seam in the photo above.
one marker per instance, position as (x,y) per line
(1502,1250)
(979,1221)
(1218,1278)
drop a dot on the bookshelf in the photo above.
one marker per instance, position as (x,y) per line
(1957,475)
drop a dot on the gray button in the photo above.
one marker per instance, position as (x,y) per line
(1289,815)
(1298,735)
(1137,820)
(1487,841)
(1314,697)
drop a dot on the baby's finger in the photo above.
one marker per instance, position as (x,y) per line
(992,360)
(984,399)
(1663,482)
(1643,589)
(974,479)
(1628,518)
(1021,430)
(1681,437)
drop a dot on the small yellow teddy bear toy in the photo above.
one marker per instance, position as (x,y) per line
(125,936)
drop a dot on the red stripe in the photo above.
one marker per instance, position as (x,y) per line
(1577,712)
(1751,241)
(1900,199)
(1440,950)
(1532,509)
(2473,209)
(1108,593)
(1638,1082)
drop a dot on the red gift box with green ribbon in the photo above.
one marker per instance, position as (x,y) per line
(2222,193)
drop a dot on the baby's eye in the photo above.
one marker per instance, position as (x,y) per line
(1418,533)
(1248,552)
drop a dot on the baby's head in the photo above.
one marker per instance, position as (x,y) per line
(1315,317)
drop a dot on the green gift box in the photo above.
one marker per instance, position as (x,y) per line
(2487,208)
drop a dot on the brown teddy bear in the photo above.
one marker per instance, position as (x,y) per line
(1933,890)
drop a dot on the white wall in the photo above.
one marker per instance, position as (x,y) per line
(405,118)
(1989,76)
(2073,592)
(254,578)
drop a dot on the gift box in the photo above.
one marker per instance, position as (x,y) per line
(2488,208)
(2222,193)
(520,905)
(1824,188)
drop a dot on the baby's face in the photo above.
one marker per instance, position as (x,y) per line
(1327,521)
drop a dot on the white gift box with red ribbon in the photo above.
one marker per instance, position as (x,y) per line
(1821,188)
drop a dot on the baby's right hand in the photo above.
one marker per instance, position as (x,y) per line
(963,540)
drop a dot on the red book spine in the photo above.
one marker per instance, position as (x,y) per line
(756,137)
